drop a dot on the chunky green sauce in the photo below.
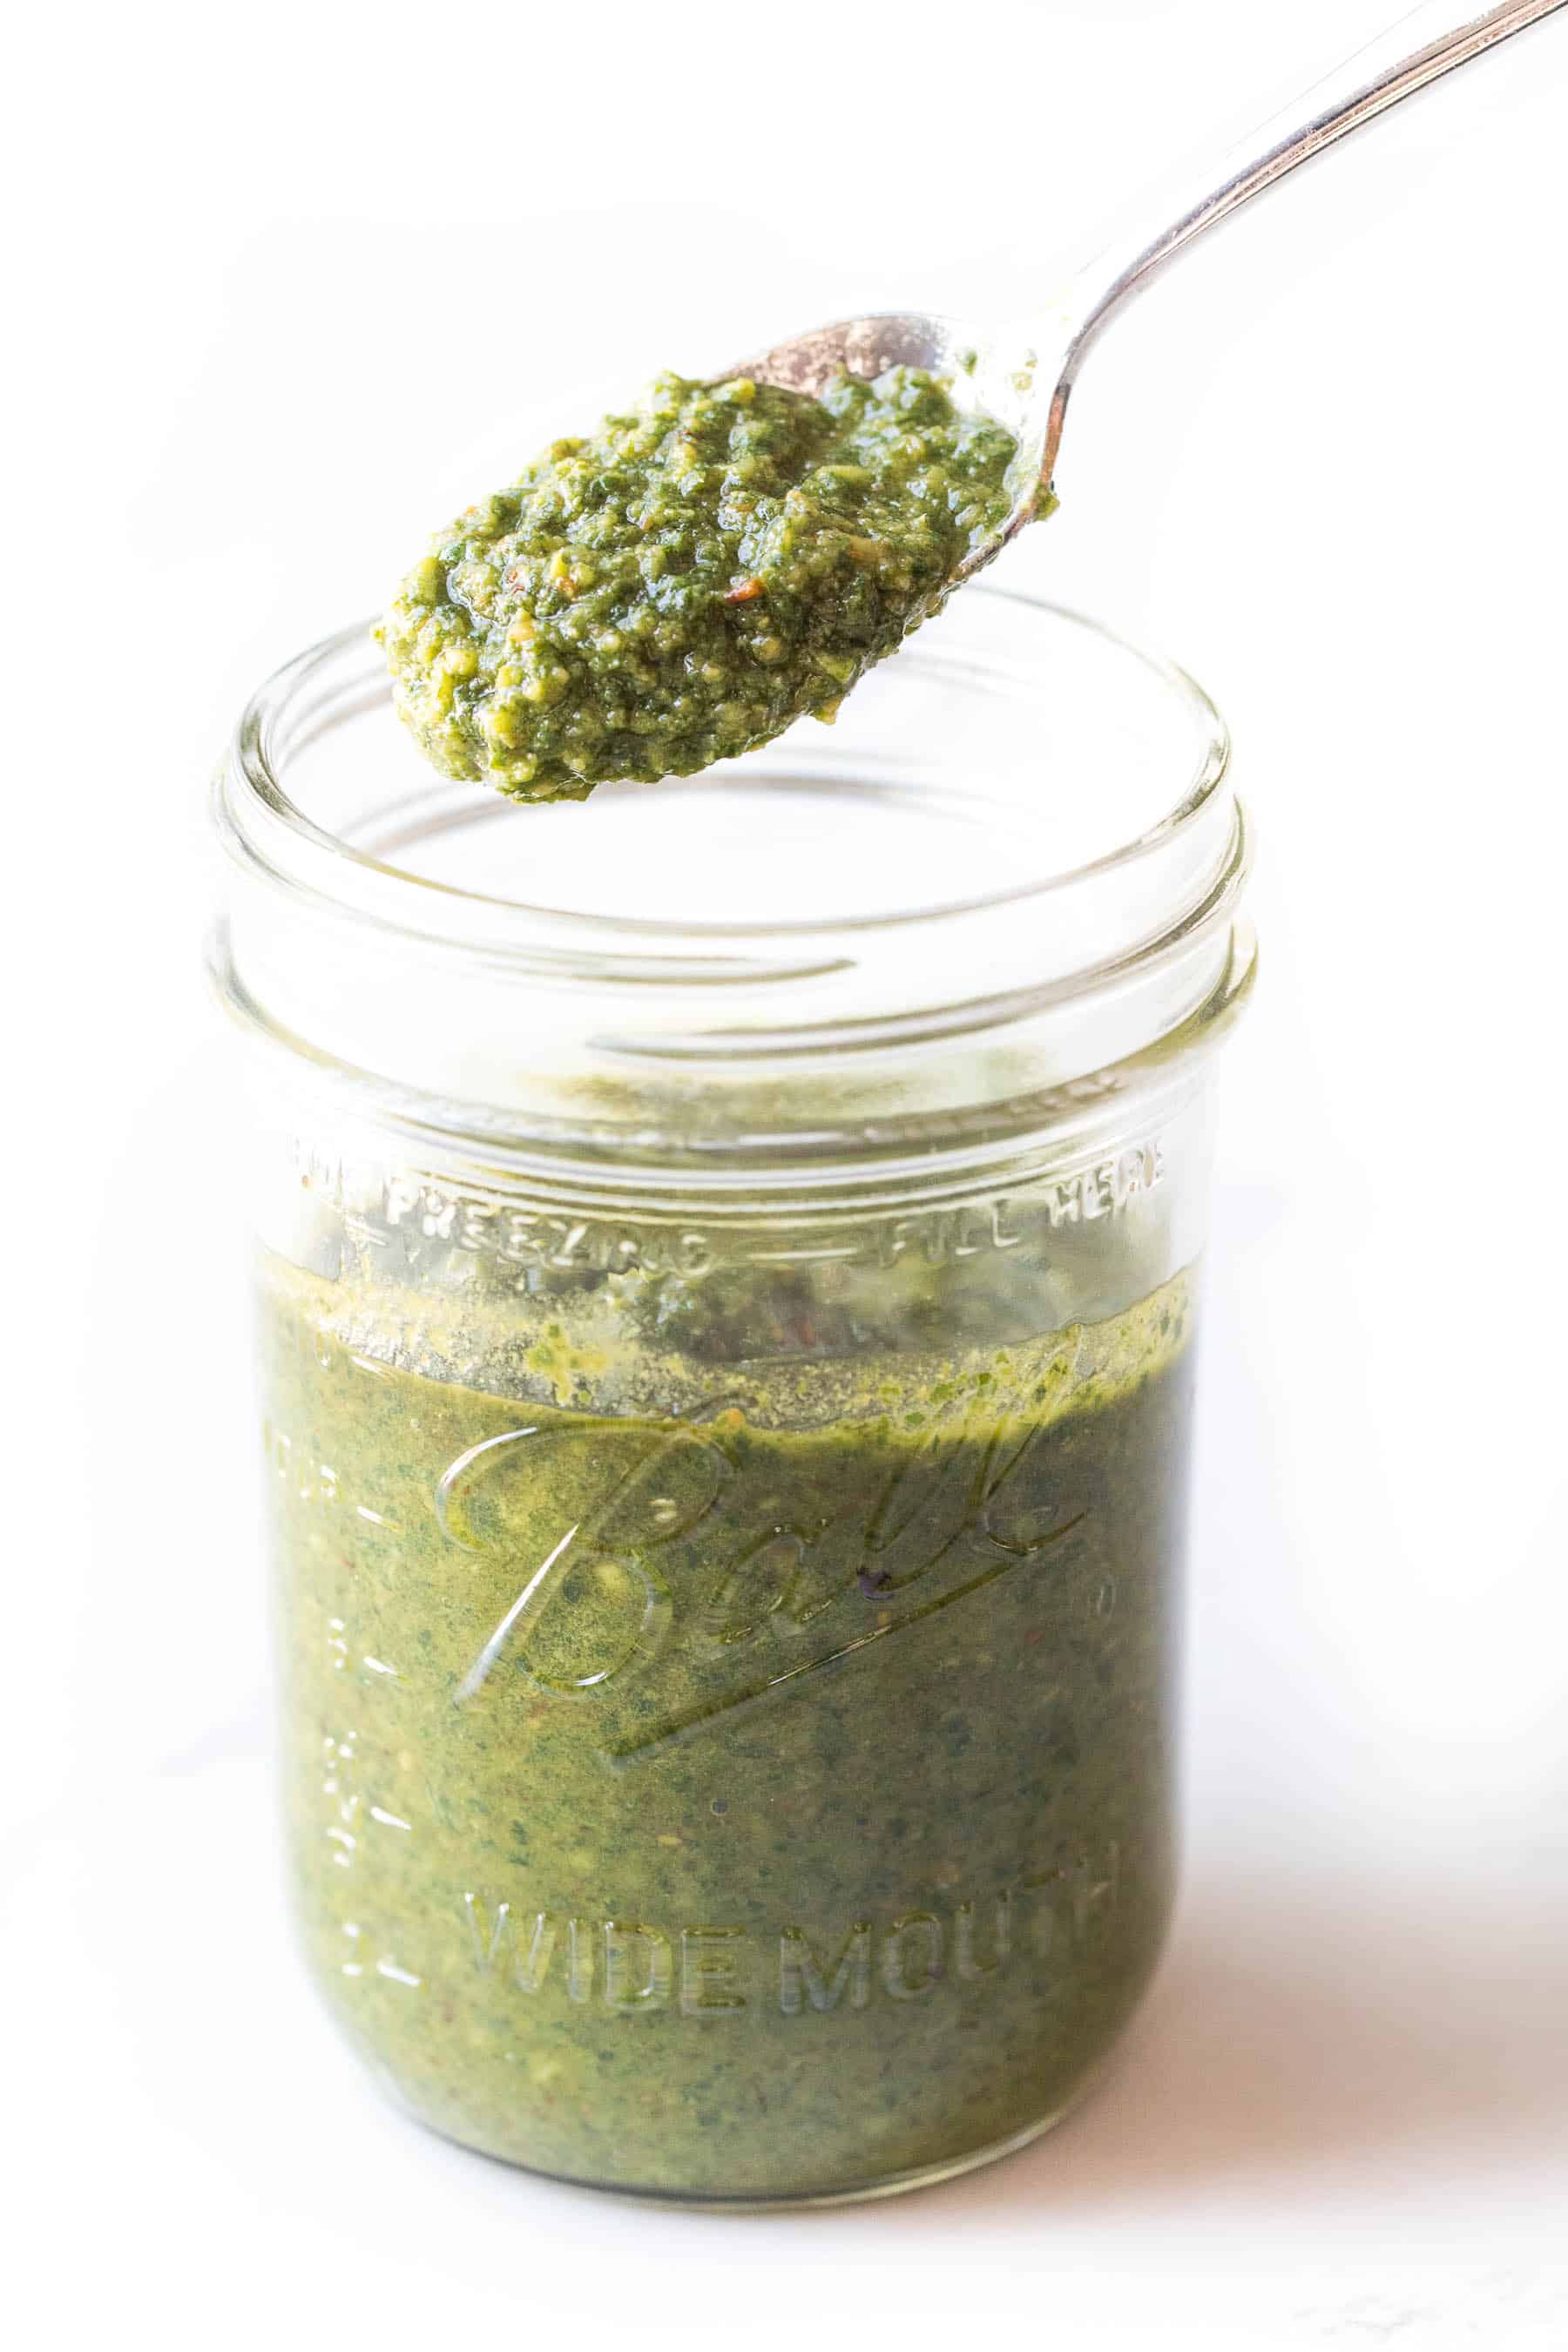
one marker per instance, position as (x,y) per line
(761,1793)
(684,582)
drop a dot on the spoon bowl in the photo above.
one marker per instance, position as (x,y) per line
(1020,375)
(993,371)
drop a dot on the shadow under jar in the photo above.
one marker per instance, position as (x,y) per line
(726,1270)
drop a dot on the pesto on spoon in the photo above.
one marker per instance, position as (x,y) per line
(687,581)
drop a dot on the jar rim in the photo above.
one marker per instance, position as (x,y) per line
(256,813)
(1003,731)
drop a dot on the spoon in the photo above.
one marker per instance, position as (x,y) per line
(1021,374)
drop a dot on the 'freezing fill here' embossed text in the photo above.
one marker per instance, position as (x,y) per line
(425,1217)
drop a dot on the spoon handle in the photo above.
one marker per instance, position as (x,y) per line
(1420,48)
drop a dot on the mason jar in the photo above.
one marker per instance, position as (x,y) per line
(727,1258)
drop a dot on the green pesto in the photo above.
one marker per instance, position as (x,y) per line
(681,585)
(808,1822)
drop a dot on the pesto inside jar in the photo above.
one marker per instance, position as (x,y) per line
(728,1730)
(681,585)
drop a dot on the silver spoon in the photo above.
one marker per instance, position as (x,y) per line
(1022,373)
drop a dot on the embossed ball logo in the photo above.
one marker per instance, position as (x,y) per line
(665,1580)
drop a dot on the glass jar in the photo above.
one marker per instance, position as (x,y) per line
(726,1267)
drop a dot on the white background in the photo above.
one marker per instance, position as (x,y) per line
(290,285)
